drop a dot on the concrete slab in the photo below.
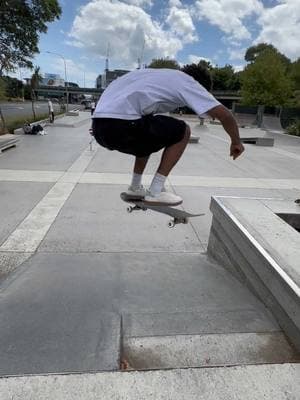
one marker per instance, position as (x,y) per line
(62,311)
(54,319)
(186,351)
(16,200)
(253,382)
(262,162)
(55,151)
(9,262)
(193,323)
(99,212)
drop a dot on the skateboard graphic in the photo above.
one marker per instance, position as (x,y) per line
(178,216)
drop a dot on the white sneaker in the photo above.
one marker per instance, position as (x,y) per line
(163,198)
(136,192)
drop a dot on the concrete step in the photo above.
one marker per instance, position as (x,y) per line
(195,351)
(252,382)
(7,141)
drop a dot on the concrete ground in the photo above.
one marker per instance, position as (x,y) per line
(85,286)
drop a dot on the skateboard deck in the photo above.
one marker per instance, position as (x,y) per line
(178,216)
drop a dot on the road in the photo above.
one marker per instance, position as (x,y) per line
(14,110)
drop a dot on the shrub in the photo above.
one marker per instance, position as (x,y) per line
(294,128)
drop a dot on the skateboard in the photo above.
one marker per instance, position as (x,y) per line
(178,216)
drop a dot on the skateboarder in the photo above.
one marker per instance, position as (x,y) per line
(127,118)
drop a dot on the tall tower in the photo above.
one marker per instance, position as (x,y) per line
(107,58)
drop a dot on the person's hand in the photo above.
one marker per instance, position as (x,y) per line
(236,150)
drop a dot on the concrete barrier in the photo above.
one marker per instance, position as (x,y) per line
(251,239)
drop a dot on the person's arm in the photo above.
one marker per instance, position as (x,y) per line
(229,124)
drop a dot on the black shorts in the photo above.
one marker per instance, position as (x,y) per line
(140,137)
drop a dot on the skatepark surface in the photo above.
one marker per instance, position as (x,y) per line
(87,289)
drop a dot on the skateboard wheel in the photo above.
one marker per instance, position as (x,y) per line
(129,209)
(171,224)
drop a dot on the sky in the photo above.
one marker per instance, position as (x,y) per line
(219,31)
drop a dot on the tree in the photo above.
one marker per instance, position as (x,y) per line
(13,86)
(254,51)
(201,72)
(21,22)
(225,78)
(34,83)
(164,63)
(264,82)
(295,74)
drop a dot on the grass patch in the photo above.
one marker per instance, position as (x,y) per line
(18,122)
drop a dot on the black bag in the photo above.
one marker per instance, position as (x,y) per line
(36,129)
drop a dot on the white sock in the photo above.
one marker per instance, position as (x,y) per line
(136,180)
(157,184)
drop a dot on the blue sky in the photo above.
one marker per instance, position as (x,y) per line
(217,30)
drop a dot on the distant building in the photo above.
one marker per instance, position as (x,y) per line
(52,80)
(99,82)
(110,76)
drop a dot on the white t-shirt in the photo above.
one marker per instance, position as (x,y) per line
(153,91)
(50,105)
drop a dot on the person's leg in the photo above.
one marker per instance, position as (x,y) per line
(169,158)
(136,187)
(140,164)
(172,154)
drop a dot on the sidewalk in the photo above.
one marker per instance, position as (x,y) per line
(86,285)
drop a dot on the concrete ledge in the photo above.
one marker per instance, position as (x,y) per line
(7,141)
(262,250)
(74,113)
(258,141)
(253,382)
(194,139)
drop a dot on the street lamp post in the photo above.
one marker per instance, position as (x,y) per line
(66,82)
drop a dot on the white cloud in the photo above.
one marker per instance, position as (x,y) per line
(192,58)
(139,3)
(238,68)
(181,23)
(280,27)
(125,27)
(175,3)
(76,72)
(229,15)
(237,54)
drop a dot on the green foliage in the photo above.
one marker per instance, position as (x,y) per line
(255,51)
(201,72)
(164,63)
(225,78)
(295,74)
(21,22)
(294,128)
(265,82)
(10,87)
(2,89)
